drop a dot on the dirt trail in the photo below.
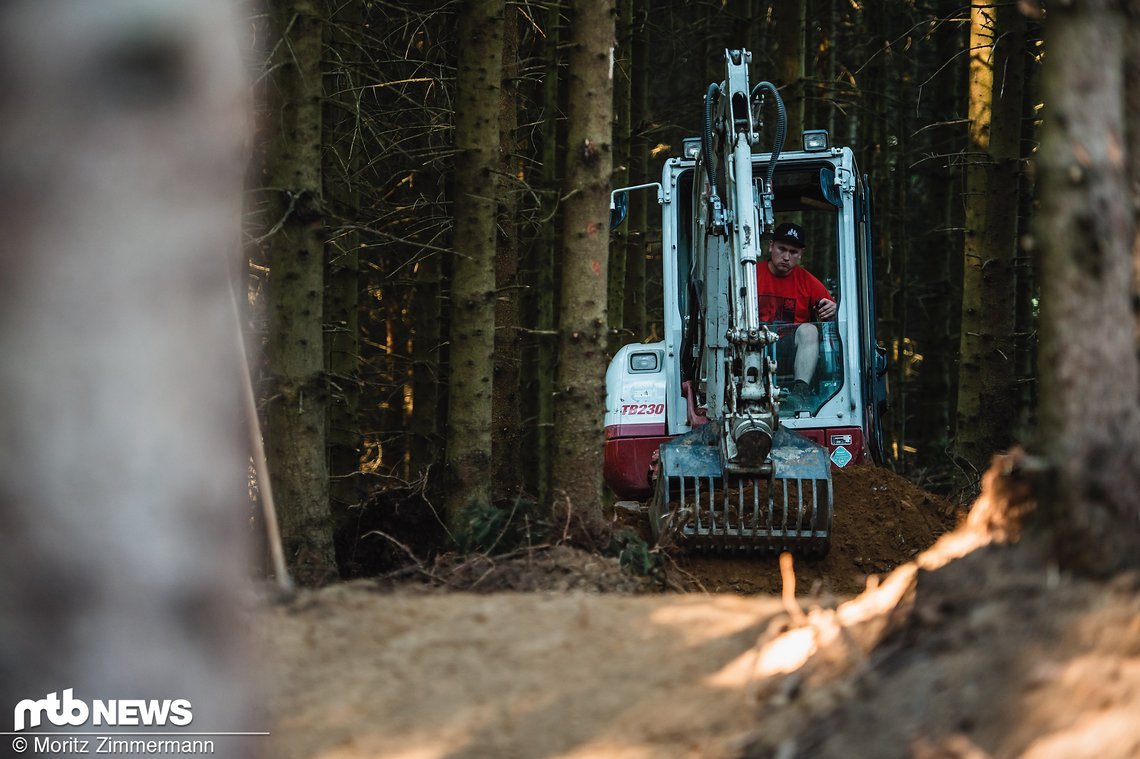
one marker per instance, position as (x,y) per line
(990,654)
(513,675)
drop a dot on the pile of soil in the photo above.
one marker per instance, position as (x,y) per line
(881,520)
(995,656)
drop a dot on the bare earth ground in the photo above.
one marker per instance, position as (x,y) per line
(974,650)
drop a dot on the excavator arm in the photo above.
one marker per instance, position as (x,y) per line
(739,481)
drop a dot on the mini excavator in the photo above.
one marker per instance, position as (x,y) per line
(701,423)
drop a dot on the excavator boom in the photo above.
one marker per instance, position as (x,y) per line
(698,421)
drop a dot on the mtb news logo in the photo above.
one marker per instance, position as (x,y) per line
(72,711)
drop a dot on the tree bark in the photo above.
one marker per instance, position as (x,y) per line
(790,23)
(506,439)
(299,392)
(620,250)
(987,401)
(942,89)
(1089,421)
(480,37)
(424,438)
(544,255)
(342,310)
(633,310)
(580,399)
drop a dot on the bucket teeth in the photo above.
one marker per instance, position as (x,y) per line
(700,506)
(752,514)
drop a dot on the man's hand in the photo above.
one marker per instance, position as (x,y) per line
(825,309)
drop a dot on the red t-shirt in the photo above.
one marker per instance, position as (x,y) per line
(788,300)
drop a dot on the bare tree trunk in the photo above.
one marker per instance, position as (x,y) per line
(620,250)
(543,261)
(123,139)
(942,94)
(298,395)
(425,443)
(342,320)
(506,439)
(791,22)
(987,401)
(633,311)
(473,278)
(580,399)
(1089,421)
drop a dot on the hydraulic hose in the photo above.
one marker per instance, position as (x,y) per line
(781,125)
(707,137)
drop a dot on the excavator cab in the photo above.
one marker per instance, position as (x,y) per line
(701,423)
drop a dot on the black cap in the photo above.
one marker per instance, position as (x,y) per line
(790,233)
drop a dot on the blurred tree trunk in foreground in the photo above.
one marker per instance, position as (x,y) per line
(1089,419)
(123,502)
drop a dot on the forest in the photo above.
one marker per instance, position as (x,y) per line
(438,323)
(323,319)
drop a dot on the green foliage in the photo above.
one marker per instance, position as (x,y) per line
(635,555)
(494,529)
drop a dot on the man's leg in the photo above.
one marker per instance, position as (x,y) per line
(807,352)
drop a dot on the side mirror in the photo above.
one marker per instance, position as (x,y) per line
(619,208)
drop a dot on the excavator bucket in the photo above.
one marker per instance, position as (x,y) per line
(784,506)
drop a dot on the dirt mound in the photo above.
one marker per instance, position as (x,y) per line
(992,656)
(881,520)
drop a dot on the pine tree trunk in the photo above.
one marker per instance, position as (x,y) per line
(506,439)
(480,37)
(580,399)
(633,310)
(759,12)
(298,393)
(940,96)
(987,402)
(342,303)
(546,249)
(1089,422)
(791,22)
(424,438)
(873,134)
(620,250)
